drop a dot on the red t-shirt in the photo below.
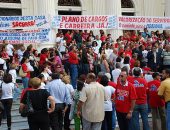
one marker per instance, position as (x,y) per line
(154,99)
(73,59)
(132,62)
(124,95)
(25,68)
(68,36)
(141,87)
(43,58)
(103,38)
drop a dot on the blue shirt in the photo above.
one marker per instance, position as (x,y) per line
(59,91)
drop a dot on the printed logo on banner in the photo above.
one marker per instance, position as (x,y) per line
(24,37)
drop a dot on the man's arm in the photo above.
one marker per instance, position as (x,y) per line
(129,115)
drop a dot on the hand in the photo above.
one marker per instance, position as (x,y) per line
(50,110)
(78,114)
(129,115)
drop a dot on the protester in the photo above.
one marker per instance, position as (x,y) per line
(92,104)
(39,118)
(7,97)
(125,101)
(156,103)
(107,123)
(164,92)
(61,94)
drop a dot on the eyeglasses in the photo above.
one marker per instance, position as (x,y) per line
(121,76)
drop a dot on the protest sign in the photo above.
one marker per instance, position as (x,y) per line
(84,22)
(23,22)
(140,22)
(29,36)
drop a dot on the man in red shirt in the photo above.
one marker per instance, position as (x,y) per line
(73,60)
(156,103)
(141,107)
(125,101)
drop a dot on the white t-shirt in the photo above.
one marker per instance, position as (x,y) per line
(46,76)
(7,90)
(2,61)
(9,48)
(14,75)
(115,74)
(42,85)
(108,104)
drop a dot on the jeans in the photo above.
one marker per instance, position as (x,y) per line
(74,75)
(123,122)
(85,69)
(107,123)
(25,82)
(168,115)
(7,106)
(158,113)
(143,111)
(66,119)
(91,125)
(56,117)
(16,93)
(113,117)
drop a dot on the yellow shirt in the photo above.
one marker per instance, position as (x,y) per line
(93,96)
(164,89)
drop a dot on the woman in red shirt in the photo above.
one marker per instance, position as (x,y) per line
(25,69)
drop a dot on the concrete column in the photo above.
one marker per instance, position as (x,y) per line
(46,7)
(167,8)
(113,7)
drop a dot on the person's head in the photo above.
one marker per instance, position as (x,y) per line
(156,76)
(55,76)
(73,48)
(22,48)
(7,78)
(66,79)
(82,78)
(126,60)
(41,77)
(1,74)
(24,60)
(166,74)
(45,68)
(104,80)
(44,51)
(30,48)
(123,76)
(137,63)
(35,83)
(97,37)
(136,72)
(108,76)
(90,78)
(154,48)
(4,47)
(13,66)
(80,85)
(125,69)
(117,65)
(118,59)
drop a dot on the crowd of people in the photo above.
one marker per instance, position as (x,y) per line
(92,79)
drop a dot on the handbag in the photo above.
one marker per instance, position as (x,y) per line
(28,108)
(22,73)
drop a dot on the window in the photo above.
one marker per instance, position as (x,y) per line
(10,1)
(10,12)
(69,3)
(127,4)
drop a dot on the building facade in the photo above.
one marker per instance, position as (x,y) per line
(85,7)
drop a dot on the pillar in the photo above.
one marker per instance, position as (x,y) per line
(46,7)
(113,7)
(167,8)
